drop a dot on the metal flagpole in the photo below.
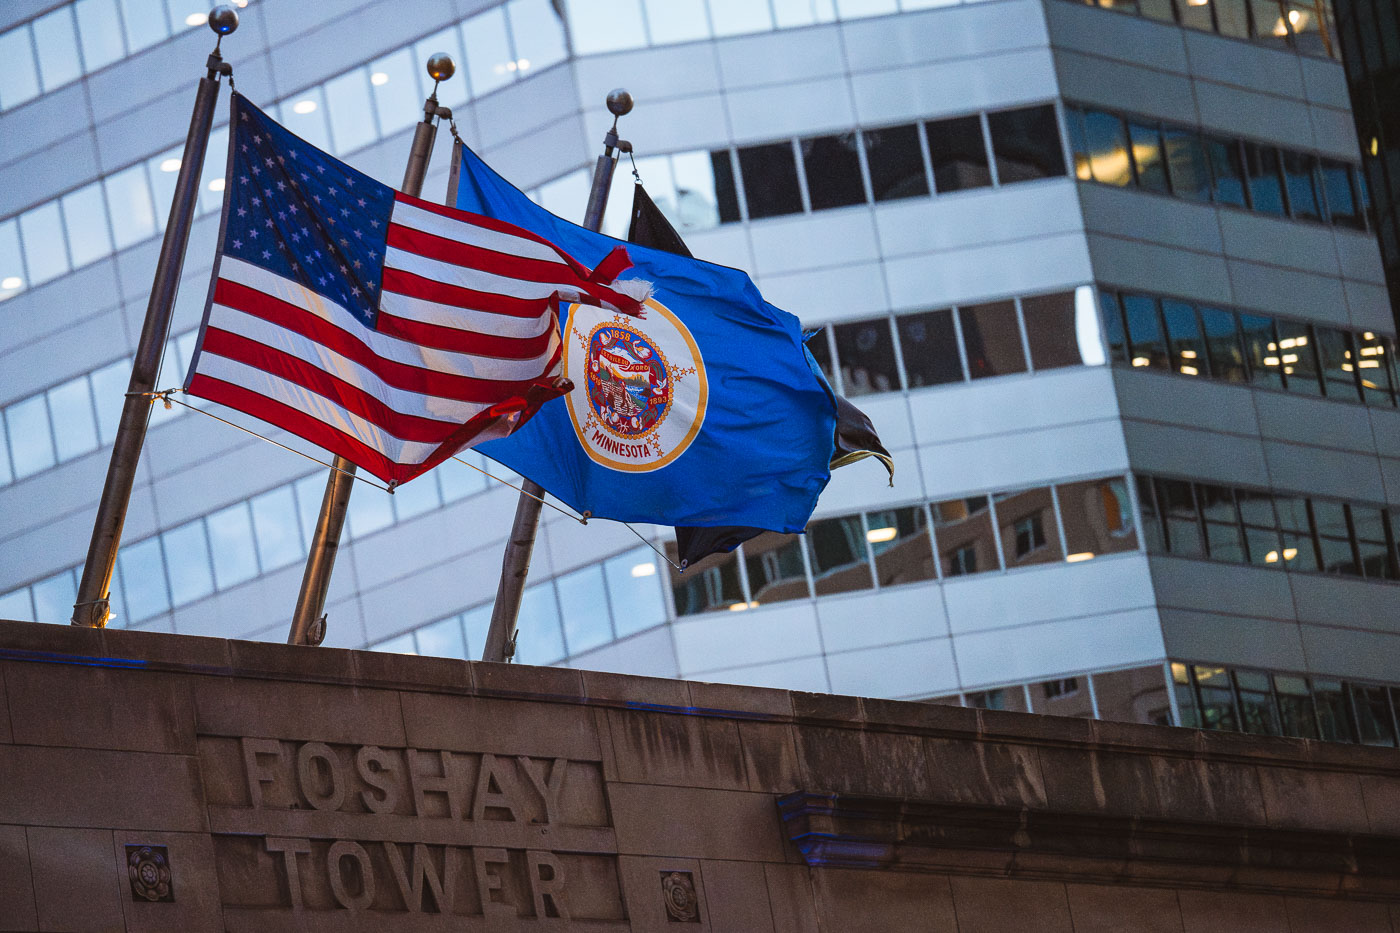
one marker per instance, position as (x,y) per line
(309,619)
(515,566)
(92,608)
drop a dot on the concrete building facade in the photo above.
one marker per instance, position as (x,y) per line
(1104,280)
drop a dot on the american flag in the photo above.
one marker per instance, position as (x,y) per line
(383,328)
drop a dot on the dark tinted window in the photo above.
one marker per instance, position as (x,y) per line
(1265,186)
(1026,143)
(1147,156)
(1297,353)
(1261,350)
(1377,561)
(1300,173)
(1050,330)
(1113,332)
(709,585)
(992,339)
(899,540)
(1226,170)
(1223,345)
(865,351)
(1337,357)
(930,348)
(1186,348)
(1186,164)
(833,171)
(1260,527)
(725,192)
(1341,200)
(1153,536)
(1107,148)
(1178,507)
(770,180)
(1222,524)
(959,154)
(1329,518)
(896,162)
(1373,366)
(1078,144)
(963,530)
(1147,348)
(1296,529)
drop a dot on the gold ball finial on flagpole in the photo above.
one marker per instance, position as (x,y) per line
(440,66)
(223,19)
(619,102)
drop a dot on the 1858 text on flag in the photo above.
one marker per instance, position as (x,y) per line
(383,328)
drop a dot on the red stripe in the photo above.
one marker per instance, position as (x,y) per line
(489,223)
(401,375)
(457,253)
(464,341)
(418,286)
(302,425)
(334,389)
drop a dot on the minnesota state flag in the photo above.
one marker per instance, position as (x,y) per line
(706,411)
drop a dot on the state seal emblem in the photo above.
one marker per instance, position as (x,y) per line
(639,386)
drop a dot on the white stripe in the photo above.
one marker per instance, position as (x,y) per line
(405,402)
(478,280)
(382,345)
(461,231)
(317,406)
(480,322)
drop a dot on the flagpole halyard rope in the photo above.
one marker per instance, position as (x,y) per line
(582,520)
(678,567)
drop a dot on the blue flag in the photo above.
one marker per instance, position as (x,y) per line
(707,411)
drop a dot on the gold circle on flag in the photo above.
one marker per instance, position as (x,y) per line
(640,388)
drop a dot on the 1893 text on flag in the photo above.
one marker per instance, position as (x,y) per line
(383,328)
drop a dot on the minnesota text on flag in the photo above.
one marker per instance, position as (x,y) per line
(383,328)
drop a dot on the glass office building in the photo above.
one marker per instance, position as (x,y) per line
(1105,277)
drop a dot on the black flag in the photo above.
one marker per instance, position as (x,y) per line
(855,435)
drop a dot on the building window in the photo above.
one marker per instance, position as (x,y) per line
(1064,687)
(832,166)
(896,162)
(930,348)
(992,338)
(866,352)
(770,180)
(1026,144)
(837,547)
(1030,535)
(959,154)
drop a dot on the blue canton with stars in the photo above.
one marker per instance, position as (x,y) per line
(304,215)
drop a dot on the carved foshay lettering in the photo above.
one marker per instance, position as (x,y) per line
(425,783)
(419,878)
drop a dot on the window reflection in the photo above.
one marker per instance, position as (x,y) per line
(1186,164)
(1026,143)
(958,153)
(1029,534)
(866,352)
(1064,696)
(347,103)
(992,339)
(275,527)
(143,571)
(1300,173)
(1265,185)
(1186,348)
(1147,347)
(605,25)
(1297,355)
(709,585)
(1373,358)
(770,180)
(46,255)
(55,596)
(833,171)
(676,21)
(541,638)
(634,588)
(1261,350)
(394,85)
(1135,695)
(963,530)
(1148,165)
(1227,171)
(1177,504)
(442,639)
(1223,343)
(490,63)
(736,17)
(896,162)
(1106,149)
(191,572)
(775,568)
(583,602)
(1098,518)
(930,348)
(231,544)
(899,540)
(31,443)
(837,549)
(1224,538)
(1051,330)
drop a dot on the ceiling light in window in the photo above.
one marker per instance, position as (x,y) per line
(1188,354)
(216,184)
(1270,361)
(1290,357)
(1289,553)
(1368,336)
(1287,344)
(379,79)
(11,281)
(644,570)
(738,607)
(881,535)
(1375,145)
(1190,370)
(1141,361)
(1082,555)
(170,165)
(1369,364)
(1295,16)
(195,19)
(523,64)
(1271,557)
(1197,2)
(304,106)
(240,3)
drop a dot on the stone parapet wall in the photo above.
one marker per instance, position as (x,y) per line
(160,782)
